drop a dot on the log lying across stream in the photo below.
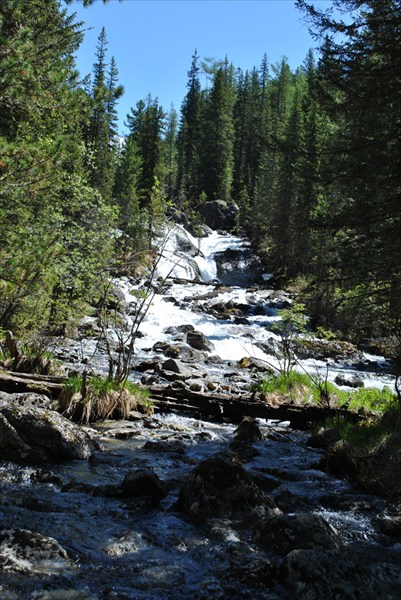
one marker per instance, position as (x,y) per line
(13,383)
(234,408)
(225,407)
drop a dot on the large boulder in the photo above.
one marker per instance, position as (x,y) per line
(218,487)
(32,434)
(143,482)
(197,340)
(283,533)
(219,214)
(354,572)
(24,551)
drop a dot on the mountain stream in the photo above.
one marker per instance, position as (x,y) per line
(132,548)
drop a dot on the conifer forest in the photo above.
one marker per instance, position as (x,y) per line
(311,157)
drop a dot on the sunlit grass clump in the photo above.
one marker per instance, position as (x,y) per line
(302,387)
(99,398)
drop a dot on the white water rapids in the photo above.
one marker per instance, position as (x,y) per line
(232,340)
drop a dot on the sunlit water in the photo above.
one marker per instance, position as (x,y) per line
(138,551)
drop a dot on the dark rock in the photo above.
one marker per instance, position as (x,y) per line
(284,533)
(353,381)
(184,244)
(218,214)
(218,487)
(167,349)
(143,482)
(323,438)
(352,573)
(389,525)
(338,351)
(34,435)
(248,431)
(177,367)
(24,551)
(197,340)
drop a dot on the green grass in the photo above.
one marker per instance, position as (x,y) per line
(318,390)
(105,398)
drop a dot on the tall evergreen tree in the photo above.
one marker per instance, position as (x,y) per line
(218,136)
(189,137)
(146,125)
(363,173)
(102,127)
(55,227)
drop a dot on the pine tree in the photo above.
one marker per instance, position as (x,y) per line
(146,125)
(189,137)
(102,128)
(55,228)
(218,136)
(363,170)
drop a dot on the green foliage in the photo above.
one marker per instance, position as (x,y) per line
(293,323)
(284,383)
(99,398)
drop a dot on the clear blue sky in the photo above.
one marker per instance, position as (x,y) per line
(153,40)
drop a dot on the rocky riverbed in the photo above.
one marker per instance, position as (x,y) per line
(174,507)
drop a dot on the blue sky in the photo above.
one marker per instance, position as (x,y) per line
(153,40)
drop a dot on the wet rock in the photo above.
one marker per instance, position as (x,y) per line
(323,438)
(197,340)
(173,369)
(284,533)
(390,525)
(25,399)
(338,351)
(248,431)
(179,331)
(218,487)
(251,567)
(143,482)
(171,350)
(218,214)
(353,381)
(24,551)
(355,572)
(34,435)
(255,365)
(184,244)
(195,385)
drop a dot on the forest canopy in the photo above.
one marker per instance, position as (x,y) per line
(311,157)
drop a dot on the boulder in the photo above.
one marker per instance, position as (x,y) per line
(351,380)
(283,533)
(31,434)
(24,551)
(248,431)
(218,214)
(143,482)
(197,340)
(171,365)
(354,572)
(184,244)
(218,487)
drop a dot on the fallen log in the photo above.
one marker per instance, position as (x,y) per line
(225,407)
(13,383)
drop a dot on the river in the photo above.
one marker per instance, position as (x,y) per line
(125,548)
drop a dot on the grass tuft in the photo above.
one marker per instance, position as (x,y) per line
(104,399)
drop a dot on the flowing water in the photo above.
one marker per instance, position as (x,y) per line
(129,548)
(133,549)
